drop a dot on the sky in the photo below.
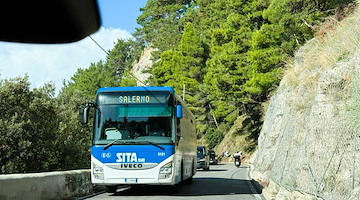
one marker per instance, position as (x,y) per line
(56,63)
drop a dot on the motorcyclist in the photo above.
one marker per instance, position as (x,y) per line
(238,154)
(237,158)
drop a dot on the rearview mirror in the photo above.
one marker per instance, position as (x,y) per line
(85,113)
(179,111)
(61,21)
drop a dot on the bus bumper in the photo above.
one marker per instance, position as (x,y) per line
(103,175)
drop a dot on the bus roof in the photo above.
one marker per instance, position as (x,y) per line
(136,88)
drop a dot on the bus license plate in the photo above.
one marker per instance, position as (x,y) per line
(131,180)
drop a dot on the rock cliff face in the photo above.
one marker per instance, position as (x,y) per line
(139,68)
(309,146)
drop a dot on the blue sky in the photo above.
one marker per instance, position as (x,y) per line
(58,62)
(120,13)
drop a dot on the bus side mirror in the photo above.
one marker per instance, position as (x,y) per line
(179,112)
(85,113)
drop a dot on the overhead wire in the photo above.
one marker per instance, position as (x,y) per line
(123,68)
(99,45)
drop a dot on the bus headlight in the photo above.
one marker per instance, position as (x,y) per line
(166,171)
(98,172)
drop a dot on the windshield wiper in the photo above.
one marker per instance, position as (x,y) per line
(132,142)
(110,144)
(152,143)
(117,140)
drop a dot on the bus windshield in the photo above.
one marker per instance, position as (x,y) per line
(135,117)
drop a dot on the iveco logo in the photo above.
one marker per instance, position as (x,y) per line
(131,165)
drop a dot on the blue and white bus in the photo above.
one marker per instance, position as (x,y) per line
(141,135)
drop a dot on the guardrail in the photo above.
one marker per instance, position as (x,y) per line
(47,185)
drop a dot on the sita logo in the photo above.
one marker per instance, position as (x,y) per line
(126,157)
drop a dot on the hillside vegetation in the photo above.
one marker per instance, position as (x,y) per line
(230,56)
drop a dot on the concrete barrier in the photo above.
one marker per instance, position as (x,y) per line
(47,185)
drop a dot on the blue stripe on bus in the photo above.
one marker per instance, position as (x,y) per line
(128,89)
(132,153)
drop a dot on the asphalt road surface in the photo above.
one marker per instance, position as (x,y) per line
(222,182)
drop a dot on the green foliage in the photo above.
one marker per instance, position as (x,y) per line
(213,137)
(73,139)
(88,80)
(161,24)
(28,126)
(244,45)
(182,66)
(121,57)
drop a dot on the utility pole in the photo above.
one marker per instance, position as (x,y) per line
(183,92)
(217,126)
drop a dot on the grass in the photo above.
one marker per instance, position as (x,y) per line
(234,141)
(332,46)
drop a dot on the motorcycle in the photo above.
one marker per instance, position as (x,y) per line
(237,161)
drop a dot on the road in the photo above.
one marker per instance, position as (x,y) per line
(222,182)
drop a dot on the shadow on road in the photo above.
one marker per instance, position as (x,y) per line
(211,170)
(216,186)
(199,187)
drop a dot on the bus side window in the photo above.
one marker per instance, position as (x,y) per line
(178,131)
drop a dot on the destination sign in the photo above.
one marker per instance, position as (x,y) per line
(132,98)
